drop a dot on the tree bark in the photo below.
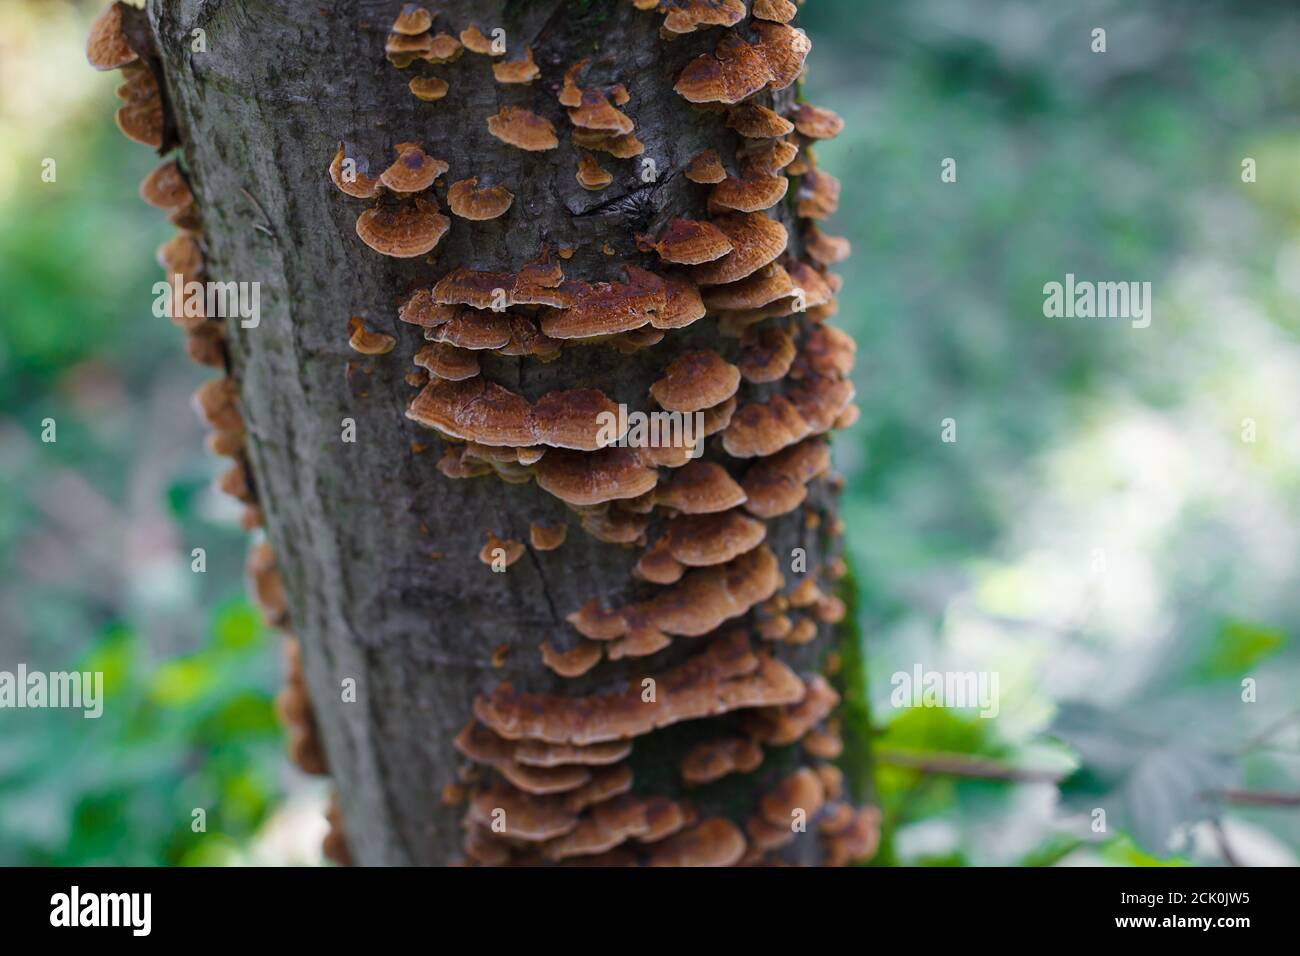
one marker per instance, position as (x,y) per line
(378,550)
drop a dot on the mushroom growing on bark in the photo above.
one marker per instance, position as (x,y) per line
(513,694)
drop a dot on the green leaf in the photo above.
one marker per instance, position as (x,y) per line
(1237,647)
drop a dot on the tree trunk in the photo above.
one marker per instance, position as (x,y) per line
(378,548)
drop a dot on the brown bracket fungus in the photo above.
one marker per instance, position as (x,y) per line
(165,187)
(690,242)
(428,88)
(446,361)
(405,231)
(414,170)
(713,759)
(756,240)
(500,550)
(695,381)
(777,11)
(817,123)
(516,71)
(470,201)
(368,342)
(706,168)
(352,179)
(413,20)
(590,174)
(107,46)
(522,129)
(715,842)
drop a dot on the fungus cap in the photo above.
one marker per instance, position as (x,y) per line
(686,16)
(413,19)
(725,676)
(139,85)
(522,128)
(516,71)
(595,112)
(528,817)
(767,355)
(706,168)
(735,71)
(403,49)
(473,329)
(414,170)
(107,47)
(714,842)
(756,239)
(405,231)
(590,174)
(658,566)
(535,753)
(778,484)
(547,538)
(475,41)
(753,193)
(708,539)
(758,122)
(607,308)
(474,410)
(690,242)
(784,49)
(777,11)
(700,487)
(142,123)
(764,286)
(361,186)
(576,418)
(713,759)
(770,157)
(819,401)
(696,380)
(443,48)
(470,201)
(823,248)
(682,304)
(368,342)
(818,196)
(574,662)
(817,123)
(428,88)
(802,790)
(588,479)
(620,147)
(446,361)
(165,187)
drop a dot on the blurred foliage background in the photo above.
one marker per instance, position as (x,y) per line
(1101,534)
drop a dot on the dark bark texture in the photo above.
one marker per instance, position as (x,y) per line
(378,549)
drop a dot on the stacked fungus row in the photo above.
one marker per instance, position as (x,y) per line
(120,40)
(548,778)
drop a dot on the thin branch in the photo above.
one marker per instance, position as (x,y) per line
(1255,798)
(1225,846)
(985,768)
(964,765)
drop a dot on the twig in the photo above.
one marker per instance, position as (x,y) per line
(985,768)
(1261,738)
(264,226)
(963,765)
(1254,798)
(1225,847)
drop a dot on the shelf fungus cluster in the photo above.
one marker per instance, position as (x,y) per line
(549,777)
(719,296)
(120,39)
